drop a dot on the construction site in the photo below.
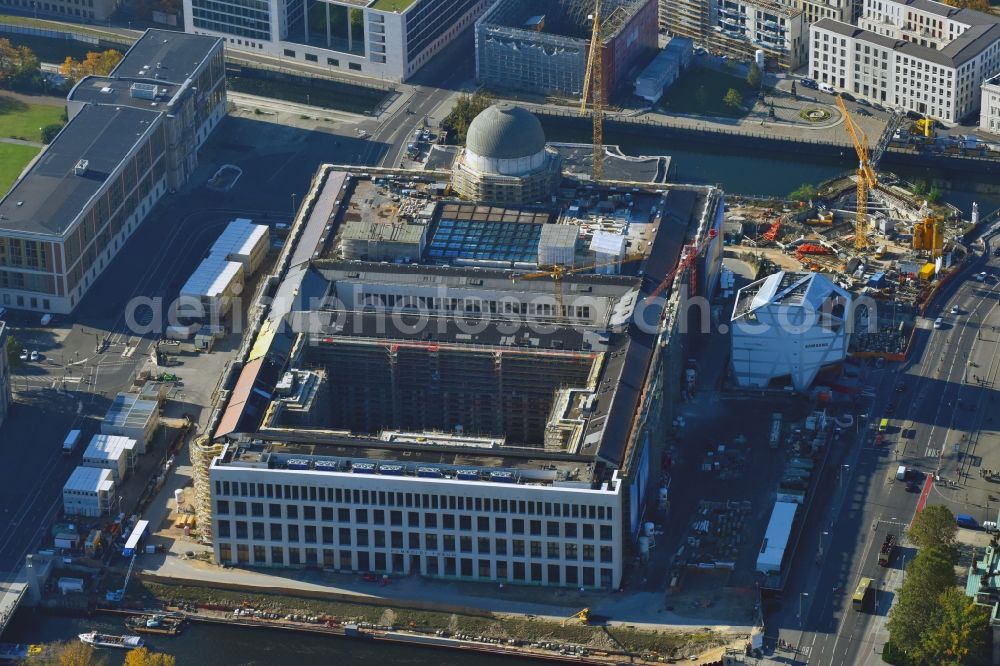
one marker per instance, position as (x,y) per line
(869,232)
(543,47)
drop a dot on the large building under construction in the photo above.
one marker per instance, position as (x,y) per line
(478,399)
(541,46)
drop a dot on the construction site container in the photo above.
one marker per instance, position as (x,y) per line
(927,271)
(244,242)
(69,585)
(779,530)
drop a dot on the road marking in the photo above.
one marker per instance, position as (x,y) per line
(932,452)
(928,484)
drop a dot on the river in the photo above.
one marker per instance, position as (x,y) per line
(776,174)
(202,644)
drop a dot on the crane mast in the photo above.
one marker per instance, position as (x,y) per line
(593,86)
(866,177)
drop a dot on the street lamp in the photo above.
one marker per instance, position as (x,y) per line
(293,205)
(801,594)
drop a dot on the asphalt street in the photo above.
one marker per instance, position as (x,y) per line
(933,422)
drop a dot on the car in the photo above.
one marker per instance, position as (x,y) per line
(955,309)
(808,83)
(24,354)
(913,115)
(369,578)
(981,277)
(939,322)
(848,96)
(700,51)
(35,355)
(990,526)
(827,88)
(864,102)
(912,487)
(877,106)
(864,112)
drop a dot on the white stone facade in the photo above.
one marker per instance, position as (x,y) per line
(917,56)
(526,533)
(989,109)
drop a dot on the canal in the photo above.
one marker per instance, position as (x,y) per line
(759,172)
(203,644)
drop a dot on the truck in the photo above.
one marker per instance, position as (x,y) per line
(885,553)
(69,444)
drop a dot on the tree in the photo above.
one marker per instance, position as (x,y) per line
(754,76)
(956,634)
(143,657)
(934,195)
(13,350)
(733,98)
(68,654)
(19,66)
(95,64)
(934,527)
(930,573)
(466,108)
(701,96)
(49,132)
(978,5)
(804,192)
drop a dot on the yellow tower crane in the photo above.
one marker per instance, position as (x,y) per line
(557,272)
(593,86)
(867,180)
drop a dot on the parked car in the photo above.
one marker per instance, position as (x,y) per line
(35,355)
(827,88)
(808,83)
(864,102)
(955,309)
(848,96)
(990,526)
(24,354)
(981,277)
(863,112)
(967,521)
(939,322)
(877,106)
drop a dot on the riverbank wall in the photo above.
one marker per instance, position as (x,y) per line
(769,142)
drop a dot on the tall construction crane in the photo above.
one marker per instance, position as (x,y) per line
(690,253)
(557,271)
(593,86)
(867,180)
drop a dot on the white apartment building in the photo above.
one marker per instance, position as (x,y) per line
(989,108)
(389,39)
(916,55)
(284,510)
(847,11)
(744,26)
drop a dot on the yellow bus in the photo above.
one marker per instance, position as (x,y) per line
(883,425)
(861,594)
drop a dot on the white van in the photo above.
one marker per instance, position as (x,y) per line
(827,88)
(901,473)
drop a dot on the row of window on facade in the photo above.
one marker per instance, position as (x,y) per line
(346,537)
(429,565)
(392,498)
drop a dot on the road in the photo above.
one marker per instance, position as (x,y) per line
(933,424)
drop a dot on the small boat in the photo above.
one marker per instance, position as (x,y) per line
(111,641)
(166,625)
(14,652)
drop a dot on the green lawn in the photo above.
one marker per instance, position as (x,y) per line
(13,159)
(19,120)
(682,97)
(392,5)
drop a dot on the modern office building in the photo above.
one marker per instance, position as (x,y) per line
(131,137)
(917,55)
(73,10)
(5,388)
(458,414)
(787,327)
(989,106)
(505,158)
(542,47)
(388,39)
